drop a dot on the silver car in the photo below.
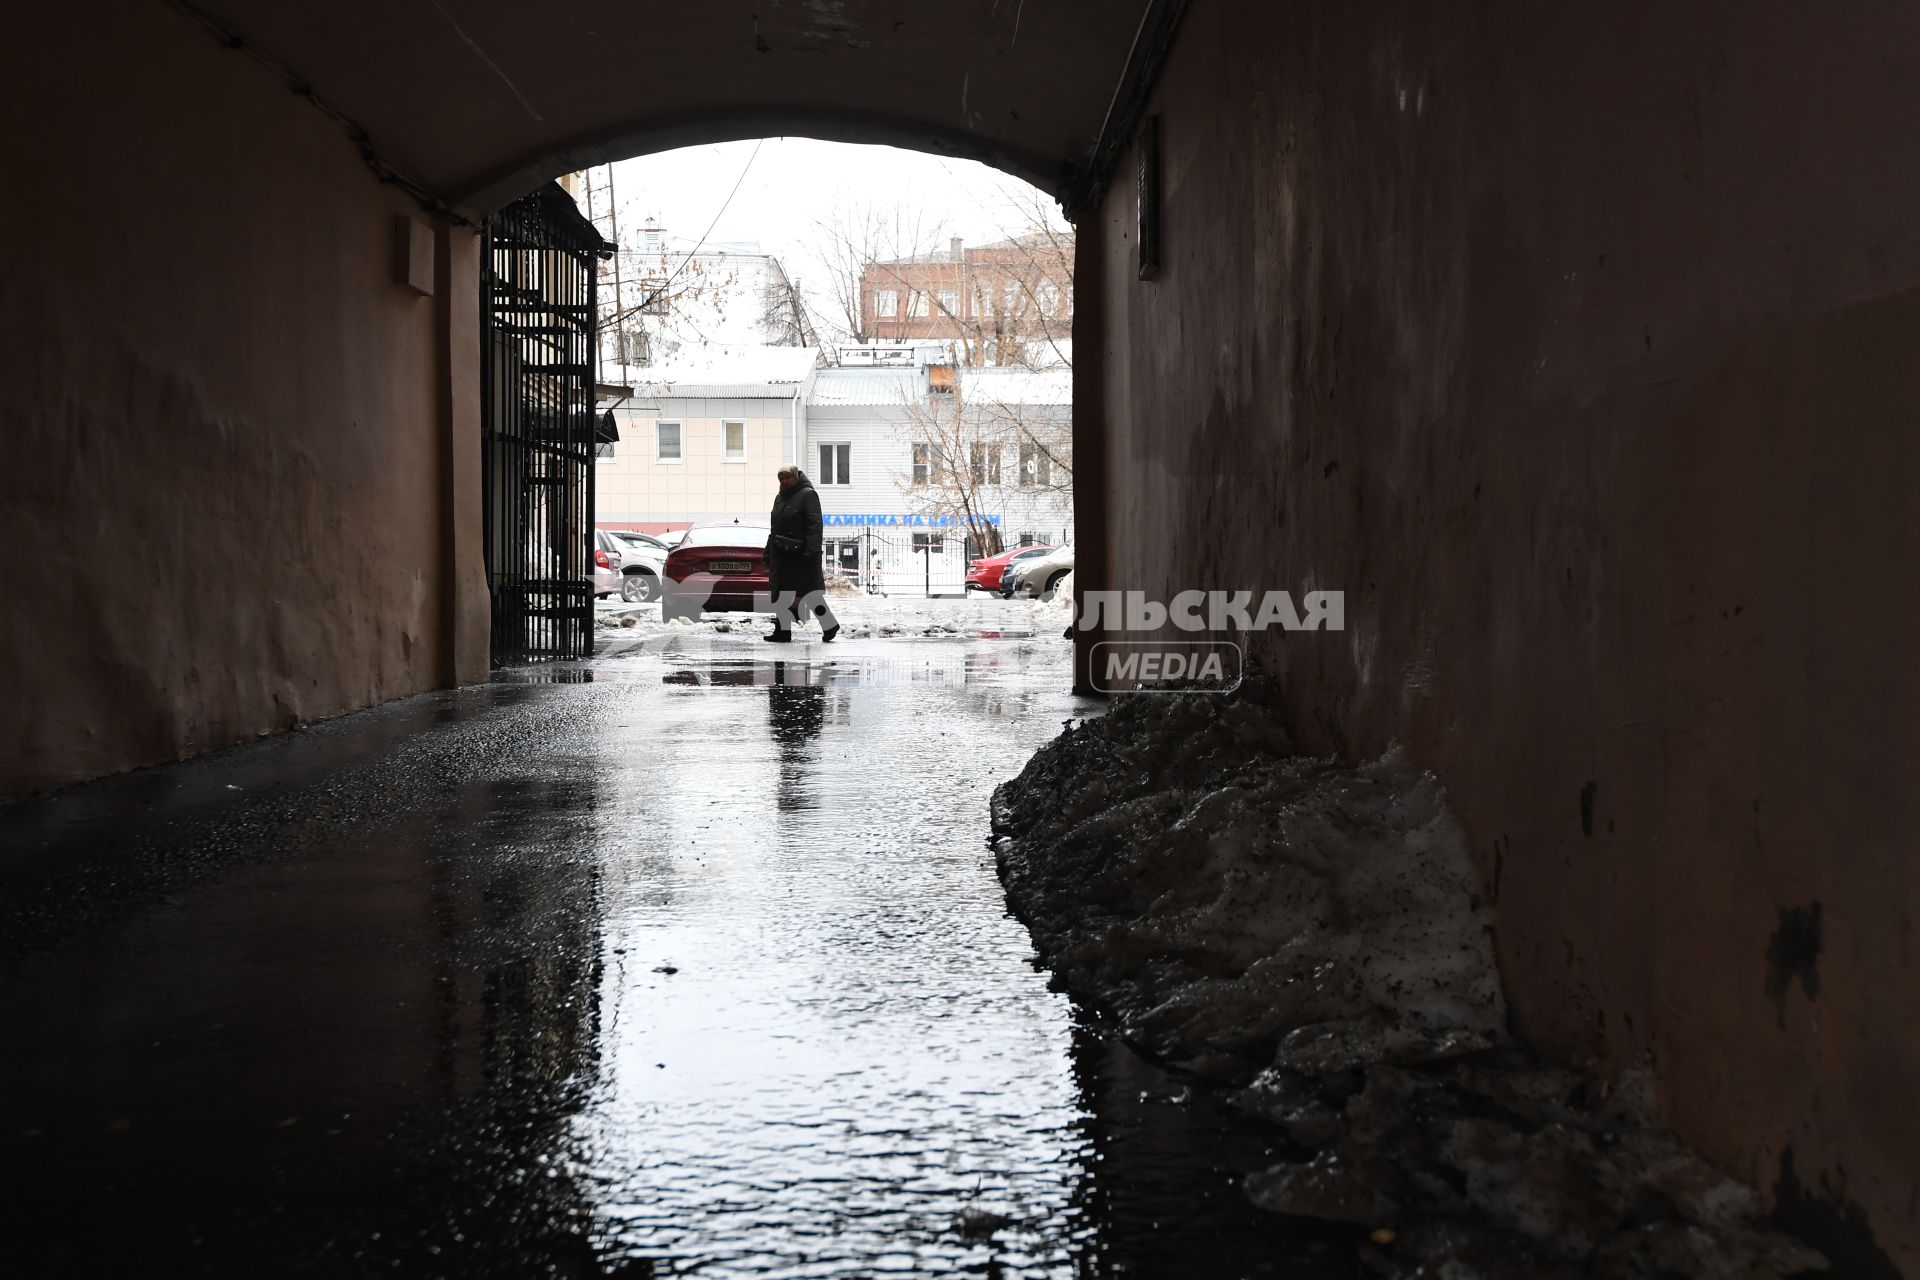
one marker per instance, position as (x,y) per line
(1037,575)
(605,553)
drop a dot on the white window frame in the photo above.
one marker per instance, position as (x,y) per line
(950,302)
(886,304)
(636,348)
(983,463)
(726,455)
(917,307)
(839,480)
(1029,474)
(679,443)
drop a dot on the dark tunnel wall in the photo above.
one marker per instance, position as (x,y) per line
(1577,346)
(234,500)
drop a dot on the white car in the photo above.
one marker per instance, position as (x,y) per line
(643,559)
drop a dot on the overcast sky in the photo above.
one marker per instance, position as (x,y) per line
(794,183)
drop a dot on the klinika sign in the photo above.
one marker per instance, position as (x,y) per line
(917,522)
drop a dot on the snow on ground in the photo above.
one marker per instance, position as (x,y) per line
(1311,934)
(1059,610)
(863,616)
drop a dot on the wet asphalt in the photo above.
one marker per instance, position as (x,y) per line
(688,959)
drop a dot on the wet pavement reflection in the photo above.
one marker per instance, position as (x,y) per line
(685,960)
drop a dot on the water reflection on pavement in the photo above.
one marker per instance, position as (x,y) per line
(687,960)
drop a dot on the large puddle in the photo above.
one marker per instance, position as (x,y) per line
(854,1067)
(684,961)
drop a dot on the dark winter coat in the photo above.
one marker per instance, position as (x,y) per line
(796,515)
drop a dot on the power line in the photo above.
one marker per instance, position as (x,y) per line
(651,298)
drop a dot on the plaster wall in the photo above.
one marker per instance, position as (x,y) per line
(231,499)
(702,484)
(1577,346)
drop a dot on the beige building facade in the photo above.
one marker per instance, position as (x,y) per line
(702,444)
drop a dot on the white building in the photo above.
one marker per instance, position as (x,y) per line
(873,447)
(667,303)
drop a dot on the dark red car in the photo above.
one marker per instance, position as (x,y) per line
(984,575)
(718,567)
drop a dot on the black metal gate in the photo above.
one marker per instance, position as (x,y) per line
(537,423)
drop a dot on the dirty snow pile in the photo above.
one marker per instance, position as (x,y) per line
(1310,933)
(1056,614)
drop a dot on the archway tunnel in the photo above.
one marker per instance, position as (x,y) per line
(1574,346)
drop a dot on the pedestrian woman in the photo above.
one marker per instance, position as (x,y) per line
(793,559)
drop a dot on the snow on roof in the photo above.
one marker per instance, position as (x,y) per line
(1029,387)
(1018,386)
(867,386)
(743,372)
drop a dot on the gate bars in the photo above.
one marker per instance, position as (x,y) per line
(537,425)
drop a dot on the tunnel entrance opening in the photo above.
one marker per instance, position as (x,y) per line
(538,426)
(896,324)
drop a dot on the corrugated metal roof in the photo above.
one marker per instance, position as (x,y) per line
(867,386)
(739,373)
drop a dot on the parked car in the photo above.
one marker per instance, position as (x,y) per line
(1037,576)
(718,567)
(643,539)
(606,555)
(642,560)
(984,575)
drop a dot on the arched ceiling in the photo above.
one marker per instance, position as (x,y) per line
(478,100)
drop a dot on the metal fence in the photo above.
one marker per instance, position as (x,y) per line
(929,563)
(537,426)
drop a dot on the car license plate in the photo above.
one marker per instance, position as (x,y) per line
(728,566)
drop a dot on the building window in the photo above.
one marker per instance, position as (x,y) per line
(733,441)
(1036,468)
(1047,297)
(666,441)
(634,348)
(835,464)
(929,542)
(603,452)
(985,460)
(916,305)
(886,304)
(926,465)
(1012,292)
(950,303)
